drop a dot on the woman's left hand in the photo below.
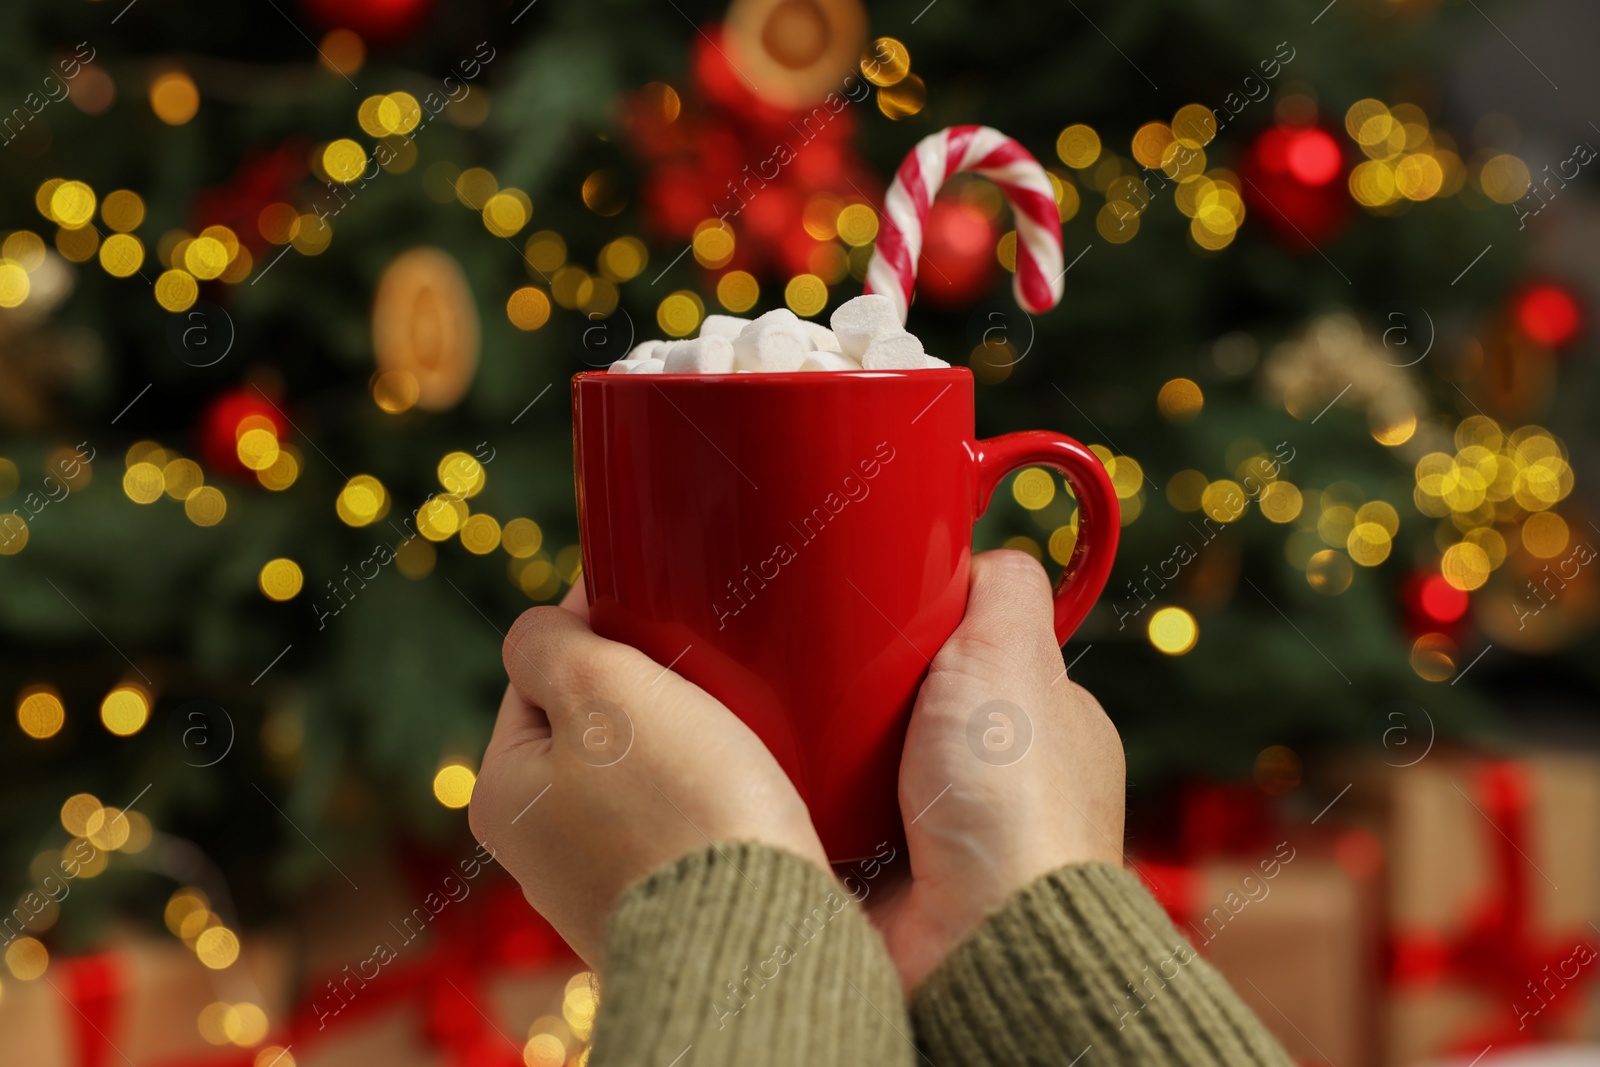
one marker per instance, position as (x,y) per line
(605,765)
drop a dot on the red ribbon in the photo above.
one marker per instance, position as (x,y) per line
(1497,949)
(497,933)
(93,986)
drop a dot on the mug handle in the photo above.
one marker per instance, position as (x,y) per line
(1099,516)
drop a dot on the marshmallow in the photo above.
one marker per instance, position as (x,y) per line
(858,322)
(711,354)
(898,351)
(933,363)
(636,366)
(645,350)
(821,338)
(729,326)
(828,361)
(769,350)
(780,320)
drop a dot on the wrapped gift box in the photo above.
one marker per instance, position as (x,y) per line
(1493,898)
(1294,928)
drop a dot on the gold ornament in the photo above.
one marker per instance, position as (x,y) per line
(793,53)
(425,323)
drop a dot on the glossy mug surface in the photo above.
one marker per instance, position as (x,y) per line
(798,545)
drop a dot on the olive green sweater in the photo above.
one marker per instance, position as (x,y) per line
(744,954)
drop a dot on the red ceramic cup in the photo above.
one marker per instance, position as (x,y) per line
(798,546)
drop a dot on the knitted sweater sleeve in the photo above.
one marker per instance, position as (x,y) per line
(739,954)
(1084,959)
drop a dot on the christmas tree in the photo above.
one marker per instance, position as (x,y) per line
(291,296)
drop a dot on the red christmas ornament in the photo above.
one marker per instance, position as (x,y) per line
(1547,313)
(263,178)
(225,418)
(1440,601)
(377,21)
(724,153)
(958,262)
(1294,182)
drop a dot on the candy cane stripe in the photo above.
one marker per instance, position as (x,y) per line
(892,272)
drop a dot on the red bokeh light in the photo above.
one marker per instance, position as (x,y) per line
(1441,601)
(1312,156)
(1548,314)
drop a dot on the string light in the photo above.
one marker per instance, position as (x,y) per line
(174,98)
(452,785)
(1173,631)
(217,947)
(40,712)
(280,579)
(125,710)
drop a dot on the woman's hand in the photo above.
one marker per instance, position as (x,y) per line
(604,765)
(1009,771)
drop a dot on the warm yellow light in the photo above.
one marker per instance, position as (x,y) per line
(174,98)
(143,483)
(679,314)
(1078,146)
(1368,544)
(274,1056)
(1545,534)
(1329,572)
(713,243)
(480,534)
(1180,400)
(176,290)
(122,210)
(452,785)
(125,710)
(182,904)
(27,959)
(1150,143)
(399,113)
(205,506)
(72,204)
(40,712)
(121,255)
(363,500)
(245,1024)
(528,308)
(806,295)
(1392,430)
(1224,500)
(1280,502)
(1504,178)
(857,225)
(280,579)
(217,947)
(258,448)
(1034,488)
(622,259)
(24,248)
(507,212)
(1465,566)
(112,833)
(1186,489)
(439,518)
(1173,631)
(81,814)
(738,291)
(461,474)
(521,538)
(886,62)
(344,160)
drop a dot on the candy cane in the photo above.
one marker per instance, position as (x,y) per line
(985,151)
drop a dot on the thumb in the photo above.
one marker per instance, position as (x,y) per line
(1010,619)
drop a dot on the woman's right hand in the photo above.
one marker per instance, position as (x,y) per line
(1009,771)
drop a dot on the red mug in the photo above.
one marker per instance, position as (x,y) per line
(797,545)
